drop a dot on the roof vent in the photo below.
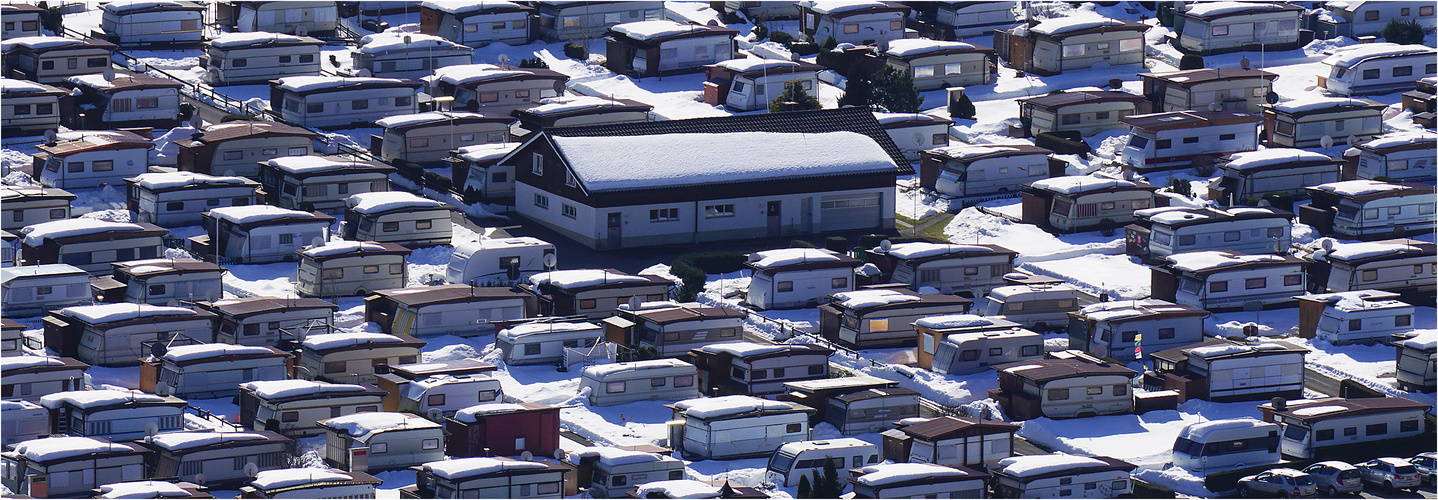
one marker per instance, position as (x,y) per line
(1279,404)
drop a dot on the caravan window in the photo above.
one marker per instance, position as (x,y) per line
(1323,435)
(378,448)
(614,387)
(656,382)
(487,395)
(1058,394)
(969,355)
(589,304)
(1218,286)
(684,381)
(435,400)
(532,349)
(1029,350)
(1093,391)
(1375,429)
(1408,426)
(430,444)
(335,367)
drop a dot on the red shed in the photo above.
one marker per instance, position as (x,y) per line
(503,429)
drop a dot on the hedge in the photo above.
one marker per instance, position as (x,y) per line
(1060,145)
(694,269)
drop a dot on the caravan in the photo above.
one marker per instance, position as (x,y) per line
(1377,68)
(1416,357)
(461,310)
(258,57)
(789,278)
(1059,476)
(965,343)
(173,199)
(348,268)
(35,290)
(215,458)
(499,261)
(968,170)
(116,334)
(882,317)
(1369,209)
(260,234)
(1218,445)
(1312,428)
(117,415)
(806,458)
(56,467)
(209,371)
(615,472)
(29,378)
(294,407)
(391,440)
(398,217)
(543,341)
(1039,307)
(264,321)
(162,281)
(738,426)
(649,380)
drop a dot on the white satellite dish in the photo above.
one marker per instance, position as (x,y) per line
(504,59)
(162,388)
(49,137)
(317,242)
(251,470)
(200,479)
(1352,140)
(434,414)
(173,303)
(526,456)
(886,245)
(550,260)
(196,123)
(1326,141)
(364,73)
(152,428)
(559,454)
(1215,106)
(1326,244)
(634,303)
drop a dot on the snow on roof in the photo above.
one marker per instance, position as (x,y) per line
(1358,187)
(122,6)
(304,164)
(40,42)
(1206,9)
(837,6)
(1400,139)
(361,425)
(1272,156)
(1061,25)
(892,118)
(1032,465)
(201,351)
(368,203)
(465,467)
(644,30)
(678,488)
(1072,184)
(571,103)
(1208,260)
(106,313)
(859,299)
(165,180)
(725,406)
(487,152)
(790,256)
(743,349)
(1005,292)
(310,83)
(284,478)
(1348,56)
(472,413)
(498,243)
(966,151)
(577,278)
(279,389)
(18,404)
(1178,215)
(1020,368)
(52,448)
(613,456)
(381,42)
(23,86)
(527,329)
(343,247)
(229,40)
(949,321)
(18,362)
(98,398)
(426,117)
(254,213)
(36,234)
(1200,431)
(882,474)
(905,47)
(473,73)
(143,489)
(753,63)
(348,339)
(1365,249)
(922,249)
(604,370)
(1218,350)
(665,160)
(1316,103)
(1422,340)
(177,441)
(1318,410)
(463,6)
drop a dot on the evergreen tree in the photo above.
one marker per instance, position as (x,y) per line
(827,485)
(536,62)
(829,44)
(804,490)
(1180,186)
(1407,32)
(963,108)
(894,91)
(1190,61)
(794,92)
(857,92)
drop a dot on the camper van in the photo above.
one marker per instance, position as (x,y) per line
(407,55)
(806,458)
(259,234)
(882,317)
(90,244)
(461,310)
(208,371)
(737,426)
(320,182)
(1218,445)
(1222,27)
(966,343)
(478,23)
(258,57)
(757,369)
(1182,139)
(1416,356)
(1220,370)
(787,278)
(1312,427)
(1060,476)
(338,102)
(398,217)
(351,357)
(1369,209)
(114,334)
(1402,266)
(294,407)
(30,108)
(938,64)
(485,477)
(28,378)
(616,473)
(141,22)
(1377,68)
(1085,202)
(392,440)
(215,458)
(1036,307)
(968,170)
(56,467)
(173,199)
(950,268)
(651,380)
(36,290)
(26,205)
(21,421)
(915,132)
(90,158)
(497,261)
(260,321)
(348,268)
(1401,156)
(239,147)
(872,410)
(906,480)
(543,341)
(1211,280)
(117,415)
(46,59)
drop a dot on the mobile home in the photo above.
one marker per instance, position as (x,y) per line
(757,369)
(872,410)
(351,357)
(90,244)
(915,132)
(795,277)
(969,170)
(350,268)
(9,249)
(738,426)
(1128,330)
(1071,43)
(146,22)
(304,182)
(1051,388)
(477,23)
(28,378)
(572,110)
(30,108)
(671,329)
(1085,202)
(53,59)
(258,57)
(1222,371)
(949,268)
(1402,156)
(69,466)
(294,407)
(497,90)
(259,234)
(477,174)
(654,380)
(398,217)
(1058,476)
(950,440)
(295,17)
(239,147)
(1218,445)
(1223,27)
(1087,112)
(964,343)
(460,309)
(905,480)
(1396,265)
(1210,280)
(817,394)
(1203,137)
(407,55)
(543,341)
(1365,316)
(91,158)
(1416,356)
(502,429)
(1367,209)
(750,84)
(174,199)
(117,415)
(339,102)
(392,440)
(592,293)
(613,472)
(1235,90)
(1036,306)
(134,100)
(438,389)
(24,205)
(310,482)
(882,317)
(112,334)
(484,477)
(1249,176)
(22,421)
(215,458)
(1360,18)
(259,321)
(36,290)
(498,261)
(1377,68)
(959,20)
(1171,230)
(865,22)
(1302,123)
(166,281)
(21,20)
(428,138)
(208,371)
(567,21)
(806,458)
(940,65)
(1317,428)
(664,47)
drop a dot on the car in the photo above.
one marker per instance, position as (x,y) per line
(1282,482)
(1425,463)
(1334,477)
(1391,473)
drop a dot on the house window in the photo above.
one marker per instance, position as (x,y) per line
(1370,74)
(784,286)
(1070,119)
(1058,394)
(1219,31)
(1292,279)
(403,101)
(664,215)
(102,166)
(541,201)
(537,165)
(119,105)
(1218,286)
(588,304)
(713,211)
(1375,429)
(941,139)
(839,283)
(1402,71)
(850,29)
(569,179)
(1255,283)
(569,210)
(154,102)
(419,142)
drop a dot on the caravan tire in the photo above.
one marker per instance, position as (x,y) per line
(361,292)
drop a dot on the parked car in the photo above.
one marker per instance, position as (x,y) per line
(1391,473)
(1334,477)
(1277,483)
(1425,463)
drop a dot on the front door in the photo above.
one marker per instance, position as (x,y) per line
(616,236)
(775,227)
(806,215)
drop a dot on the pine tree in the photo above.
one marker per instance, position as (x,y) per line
(859,91)
(829,44)
(963,108)
(794,92)
(827,485)
(804,490)
(894,91)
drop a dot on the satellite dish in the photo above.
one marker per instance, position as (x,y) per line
(173,303)
(50,137)
(251,470)
(1352,140)
(229,173)
(1264,203)
(152,428)
(634,303)
(526,456)
(434,414)
(200,479)
(1326,141)
(1215,106)
(503,59)
(317,242)
(196,123)
(1244,63)
(1326,244)
(886,245)
(1271,97)
(550,260)
(162,388)
(559,454)
(364,72)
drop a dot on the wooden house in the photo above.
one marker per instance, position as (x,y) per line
(258,234)
(915,132)
(789,278)
(36,290)
(863,22)
(751,84)
(22,206)
(1130,330)
(477,23)
(499,261)
(133,23)
(70,466)
(261,321)
(1222,370)
(350,358)
(567,21)
(949,268)
(882,317)
(1202,137)
(1302,123)
(398,217)
(1365,316)
(950,440)
(1316,428)
(160,282)
(1081,386)
(175,199)
(117,415)
(757,369)
(28,378)
(496,90)
(1071,43)
(30,107)
(1415,363)
(437,390)
(484,477)
(293,407)
(672,329)
(1377,68)
(310,482)
(665,47)
(53,59)
(1211,279)
(305,182)
(239,147)
(91,158)
(456,309)
(427,138)
(1397,156)
(21,20)
(1223,27)
(208,371)
(213,457)
(135,100)
(477,174)
(294,17)
(1236,90)
(340,102)
(90,244)
(112,334)
(909,480)
(502,429)
(1087,112)
(1402,266)
(1356,18)
(736,426)
(593,293)
(258,57)
(392,440)
(1249,176)
(939,65)
(406,55)
(22,422)
(569,111)
(1058,475)
(1164,231)
(970,170)
(1365,209)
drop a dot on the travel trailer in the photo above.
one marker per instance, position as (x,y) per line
(672,329)
(298,17)
(817,393)
(105,102)
(972,442)
(950,268)
(1085,202)
(407,55)
(1172,230)
(1081,386)
(868,22)
(737,426)
(391,440)
(9,249)
(31,108)
(905,480)
(1416,356)
(24,206)
(882,317)
(259,234)
(1223,27)
(957,21)
(350,268)
(616,473)
(69,466)
(1247,177)
(117,415)
(239,147)
(438,389)
(665,47)
(573,110)
(1313,428)
(477,174)
(310,482)
(258,57)
(293,407)
(398,217)
(351,357)
(964,343)
(1358,18)
(91,158)
(21,20)
(163,281)
(1395,265)
(173,199)
(1070,43)
(592,293)
(749,84)
(1363,316)
(461,310)
(113,334)
(542,341)
(339,102)
(495,90)
(757,369)
(427,138)
(1377,68)
(1202,137)
(1234,90)
(915,132)
(1058,476)
(1220,370)
(498,261)
(969,170)
(22,421)
(1303,123)
(1038,307)
(161,489)
(939,65)
(788,278)
(304,182)
(215,458)
(1086,112)
(266,321)
(141,23)
(1210,280)
(1400,156)
(36,290)
(502,429)
(209,371)
(1367,209)
(90,244)
(806,458)
(564,21)
(485,477)
(52,60)
(1129,330)
(28,378)
(872,410)
(1203,448)
(652,380)
(477,23)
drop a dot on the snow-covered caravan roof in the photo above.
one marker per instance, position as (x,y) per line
(9,194)
(1119,311)
(144,489)
(517,332)
(42,270)
(362,425)
(845,7)
(466,8)
(11,86)
(572,104)
(45,43)
(391,201)
(1401,141)
(36,234)
(1315,105)
(1186,216)
(1209,261)
(900,120)
(169,181)
(337,249)
(613,457)
(59,448)
(1201,431)
(1364,190)
(406,122)
(1028,467)
(472,413)
(952,321)
(925,250)
(814,258)
(1014,291)
(1228,349)
(971,152)
(663,29)
(1315,410)
(1214,10)
(570,279)
(736,406)
(1080,184)
(106,398)
(1258,160)
(678,488)
(113,313)
(487,152)
(352,340)
(751,350)
(891,474)
(270,480)
(604,371)
(248,215)
(859,299)
(123,82)
(472,247)
(309,165)
(469,74)
(31,364)
(1423,340)
(462,468)
(1349,57)
(915,47)
(403,42)
(755,65)
(1059,26)
(189,440)
(689,159)
(210,352)
(260,39)
(292,389)
(1364,251)
(124,7)
(317,84)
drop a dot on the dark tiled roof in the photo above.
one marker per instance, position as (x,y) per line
(947,427)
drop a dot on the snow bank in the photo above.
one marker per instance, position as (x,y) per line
(578,278)
(888,473)
(678,488)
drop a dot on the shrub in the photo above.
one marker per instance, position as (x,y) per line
(1165,14)
(1190,61)
(760,32)
(576,51)
(830,44)
(52,19)
(437,182)
(408,169)
(1282,201)
(1403,32)
(1061,145)
(187,110)
(1180,186)
(234,118)
(895,91)
(794,92)
(963,108)
(781,37)
(803,48)
(800,244)
(536,62)
(693,268)
(837,243)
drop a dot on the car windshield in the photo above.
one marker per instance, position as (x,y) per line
(1304,480)
(781,461)
(1405,469)
(1349,474)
